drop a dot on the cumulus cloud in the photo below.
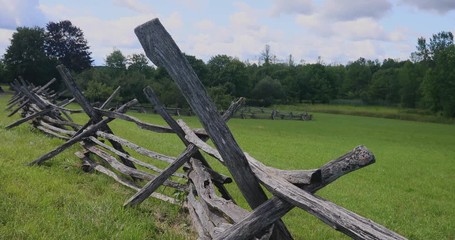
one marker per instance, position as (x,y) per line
(5,36)
(358,29)
(354,20)
(104,35)
(336,31)
(354,9)
(440,6)
(292,7)
(341,30)
(242,36)
(21,13)
(134,5)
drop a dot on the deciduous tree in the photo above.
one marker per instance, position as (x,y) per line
(439,83)
(66,43)
(267,90)
(116,60)
(26,57)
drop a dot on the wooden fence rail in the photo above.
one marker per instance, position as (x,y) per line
(273,114)
(214,213)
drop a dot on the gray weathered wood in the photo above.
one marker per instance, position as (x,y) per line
(136,148)
(152,97)
(275,207)
(338,217)
(39,104)
(341,219)
(162,50)
(151,186)
(114,163)
(203,185)
(121,180)
(23,104)
(52,133)
(115,93)
(139,123)
(77,93)
(132,159)
(60,122)
(30,117)
(78,137)
(298,177)
(193,151)
(94,116)
(56,129)
(200,216)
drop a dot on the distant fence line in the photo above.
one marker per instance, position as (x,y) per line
(246,112)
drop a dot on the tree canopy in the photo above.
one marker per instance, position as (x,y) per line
(26,57)
(425,81)
(66,43)
(34,52)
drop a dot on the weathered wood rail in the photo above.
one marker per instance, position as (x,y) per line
(38,105)
(214,213)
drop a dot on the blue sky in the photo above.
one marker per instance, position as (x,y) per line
(336,30)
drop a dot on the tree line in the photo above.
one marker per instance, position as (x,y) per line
(425,81)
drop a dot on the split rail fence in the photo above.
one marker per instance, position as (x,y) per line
(214,213)
(265,113)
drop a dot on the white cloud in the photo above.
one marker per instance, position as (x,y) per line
(5,36)
(440,6)
(344,31)
(173,21)
(134,5)
(243,36)
(354,9)
(359,29)
(204,25)
(20,13)
(103,35)
(292,7)
(336,30)
(355,20)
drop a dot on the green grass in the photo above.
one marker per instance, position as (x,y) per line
(410,114)
(59,201)
(410,189)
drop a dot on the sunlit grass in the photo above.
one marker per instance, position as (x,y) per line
(370,111)
(59,201)
(409,189)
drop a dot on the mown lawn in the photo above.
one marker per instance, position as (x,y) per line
(410,189)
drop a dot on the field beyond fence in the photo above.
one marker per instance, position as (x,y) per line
(410,114)
(409,189)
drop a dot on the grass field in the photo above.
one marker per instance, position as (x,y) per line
(410,114)
(410,189)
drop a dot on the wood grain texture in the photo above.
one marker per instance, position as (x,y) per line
(95,117)
(162,50)
(83,133)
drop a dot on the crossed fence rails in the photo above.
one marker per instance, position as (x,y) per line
(214,213)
